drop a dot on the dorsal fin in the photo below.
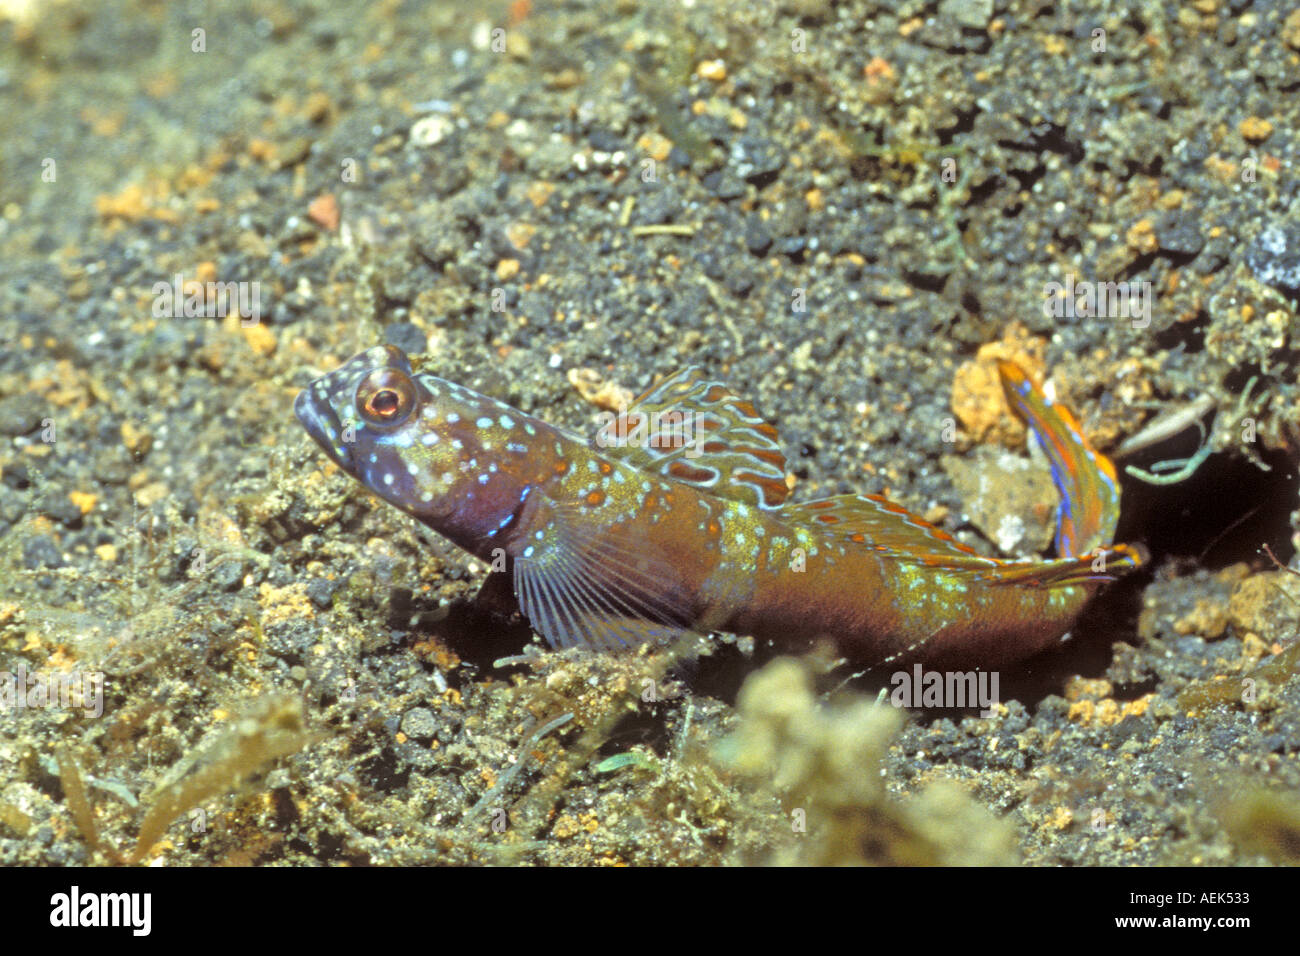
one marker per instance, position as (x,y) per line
(877,522)
(693,429)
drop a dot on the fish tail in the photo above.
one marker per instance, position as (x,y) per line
(1089,508)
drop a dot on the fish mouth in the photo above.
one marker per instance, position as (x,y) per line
(322,424)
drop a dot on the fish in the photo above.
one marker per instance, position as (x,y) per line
(674,518)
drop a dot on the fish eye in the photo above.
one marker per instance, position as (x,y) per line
(385,397)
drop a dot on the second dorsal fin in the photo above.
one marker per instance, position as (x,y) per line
(877,522)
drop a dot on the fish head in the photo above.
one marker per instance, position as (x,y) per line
(392,430)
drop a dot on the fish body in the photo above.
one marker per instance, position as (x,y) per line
(675,519)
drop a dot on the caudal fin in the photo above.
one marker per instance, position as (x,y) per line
(1085,478)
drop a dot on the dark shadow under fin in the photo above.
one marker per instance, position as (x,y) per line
(496,595)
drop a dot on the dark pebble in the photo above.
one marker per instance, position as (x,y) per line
(658,207)
(189,505)
(739,283)
(1223,737)
(11,506)
(1278,744)
(1180,233)
(679,158)
(16,476)
(418,756)
(1274,257)
(228,575)
(185,552)
(419,723)
(757,239)
(60,508)
(723,185)
(605,141)
(407,336)
(712,265)
(110,468)
(321,591)
(792,246)
(328,679)
(280,575)
(19,414)
(756,160)
(292,641)
(40,551)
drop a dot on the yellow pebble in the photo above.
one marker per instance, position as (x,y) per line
(260,339)
(714,70)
